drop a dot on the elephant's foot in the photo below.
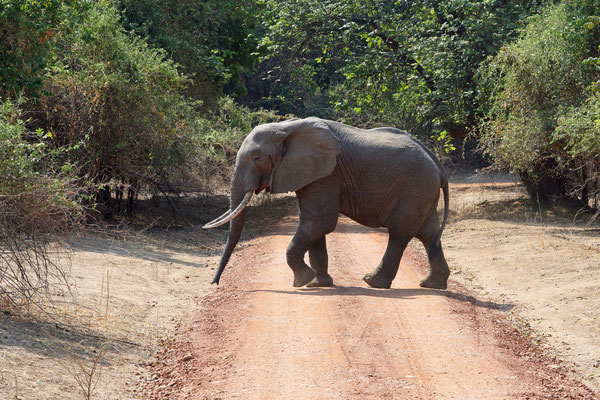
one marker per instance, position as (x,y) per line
(434,282)
(321,280)
(377,281)
(303,276)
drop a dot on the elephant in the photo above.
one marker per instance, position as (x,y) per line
(380,177)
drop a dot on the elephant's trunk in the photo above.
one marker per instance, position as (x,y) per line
(235,231)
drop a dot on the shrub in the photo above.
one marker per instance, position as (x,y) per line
(536,89)
(40,200)
(219,134)
(123,99)
(27,27)
(213,40)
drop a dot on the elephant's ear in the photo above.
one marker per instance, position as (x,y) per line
(309,153)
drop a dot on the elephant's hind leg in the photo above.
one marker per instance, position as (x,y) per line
(439,271)
(385,272)
(318,261)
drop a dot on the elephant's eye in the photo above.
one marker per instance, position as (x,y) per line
(256,158)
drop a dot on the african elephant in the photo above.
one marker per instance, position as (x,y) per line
(380,177)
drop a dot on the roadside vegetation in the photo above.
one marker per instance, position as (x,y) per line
(542,104)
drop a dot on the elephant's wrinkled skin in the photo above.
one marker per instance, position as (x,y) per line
(379,177)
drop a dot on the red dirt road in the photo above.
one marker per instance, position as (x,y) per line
(257,337)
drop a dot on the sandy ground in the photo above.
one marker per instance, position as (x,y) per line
(127,298)
(128,293)
(544,266)
(146,296)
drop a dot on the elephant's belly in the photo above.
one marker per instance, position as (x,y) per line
(370,208)
(372,222)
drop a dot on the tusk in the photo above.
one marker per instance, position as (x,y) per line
(233,214)
(225,215)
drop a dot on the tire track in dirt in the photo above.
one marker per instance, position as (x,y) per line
(256,337)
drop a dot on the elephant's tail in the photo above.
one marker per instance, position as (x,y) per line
(446,206)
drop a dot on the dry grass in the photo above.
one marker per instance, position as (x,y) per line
(502,197)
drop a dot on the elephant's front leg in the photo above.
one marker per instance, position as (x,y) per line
(300,244)
(319,262)
(319,211)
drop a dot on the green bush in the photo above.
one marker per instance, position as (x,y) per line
(212,40)
(27,27)
(120,103)
(218,136)
(540,124)
(409,64)
(29,165)
(578,128)
(123,99)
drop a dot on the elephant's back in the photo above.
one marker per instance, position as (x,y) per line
(384,170)
(377,140)
(389,138)
(390,152)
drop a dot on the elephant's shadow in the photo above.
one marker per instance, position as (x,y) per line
(394,293)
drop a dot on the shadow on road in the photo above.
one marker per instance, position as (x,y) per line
(132,250)
(394,293)
(289,226)
(62,341)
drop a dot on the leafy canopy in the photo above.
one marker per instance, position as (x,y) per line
(409,63)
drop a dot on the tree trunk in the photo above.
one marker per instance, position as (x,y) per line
(546,184)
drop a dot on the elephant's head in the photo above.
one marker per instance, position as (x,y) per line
(279,157)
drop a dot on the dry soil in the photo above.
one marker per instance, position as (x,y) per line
(255,337)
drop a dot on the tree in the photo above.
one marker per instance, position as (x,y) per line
(26,30)
(409,63)
(119,100)
(41,198)
(213,41)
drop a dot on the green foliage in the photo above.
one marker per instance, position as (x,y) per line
(410,64)
(111,80)
(28,165)
(39,190)
(26,28)
(540,123)
(213,41)
(578,128)
(121,97)
(218,136)
(118,102)
(231,123)
(41,198)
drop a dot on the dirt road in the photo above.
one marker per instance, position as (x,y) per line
(256,337)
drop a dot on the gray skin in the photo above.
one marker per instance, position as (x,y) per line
(379,177)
